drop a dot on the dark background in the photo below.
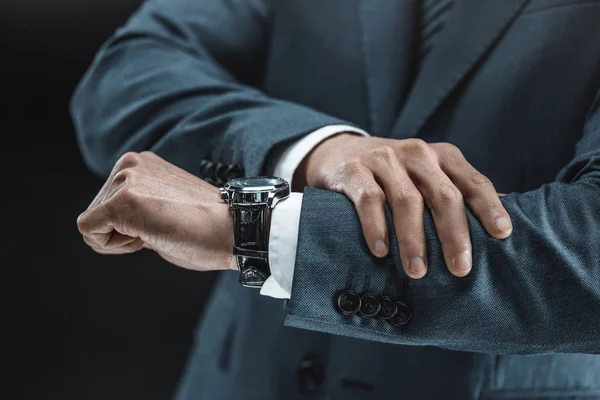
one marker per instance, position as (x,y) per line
(75,325)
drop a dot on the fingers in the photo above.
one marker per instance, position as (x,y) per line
(127,160)
(478,191)
(95,225)
(120,241)
(369,200)
(407,207)
(450,218)
(130,245)
(411,174)
(111,224)
(97,228)
(449,214)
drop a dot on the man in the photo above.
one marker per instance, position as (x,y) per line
(416,104)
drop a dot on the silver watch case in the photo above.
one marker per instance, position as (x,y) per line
(255,191)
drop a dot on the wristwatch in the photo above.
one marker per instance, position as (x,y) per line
(251,200)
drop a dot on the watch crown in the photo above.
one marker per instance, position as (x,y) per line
(224,194)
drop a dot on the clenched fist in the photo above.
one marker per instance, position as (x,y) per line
(408,174)
(148,202)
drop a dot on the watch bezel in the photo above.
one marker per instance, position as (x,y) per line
(268,195)
(231,184)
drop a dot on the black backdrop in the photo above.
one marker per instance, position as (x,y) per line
(75,325)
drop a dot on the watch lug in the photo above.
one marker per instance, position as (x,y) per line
(272,200)
(224,194)
(276,197)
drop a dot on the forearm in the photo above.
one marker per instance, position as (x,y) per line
(537,291)
(178,80)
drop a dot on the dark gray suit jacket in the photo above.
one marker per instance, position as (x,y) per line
(513,83)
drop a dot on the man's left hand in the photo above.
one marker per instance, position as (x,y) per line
(150,203)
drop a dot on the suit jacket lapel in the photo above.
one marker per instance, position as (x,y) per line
(388,30)
(470,31)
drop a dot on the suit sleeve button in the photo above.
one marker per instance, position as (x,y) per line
(369,306)
(389,308)
(201,168)
(403,316)
(221,171)
(207,169)
(348,302)
(234,171)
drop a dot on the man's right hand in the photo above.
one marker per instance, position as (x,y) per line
(409,174)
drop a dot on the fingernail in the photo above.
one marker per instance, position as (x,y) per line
(463,262)
(417,266)
(380,248)
(503,224)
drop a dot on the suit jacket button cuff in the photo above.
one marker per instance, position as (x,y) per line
(348,302)
(234,171)
(403,316)
(369,306)
(389,308)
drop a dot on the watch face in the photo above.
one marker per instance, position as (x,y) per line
(257,183)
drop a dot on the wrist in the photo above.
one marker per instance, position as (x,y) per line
(310,165)
(251,200)
(230,259)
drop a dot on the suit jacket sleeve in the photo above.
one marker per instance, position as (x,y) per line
(180,79)
(537,291)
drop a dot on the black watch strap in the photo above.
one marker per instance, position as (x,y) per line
(251,244)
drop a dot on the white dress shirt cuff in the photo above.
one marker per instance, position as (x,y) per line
(283,241)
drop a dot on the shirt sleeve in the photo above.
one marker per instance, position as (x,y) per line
(285,219)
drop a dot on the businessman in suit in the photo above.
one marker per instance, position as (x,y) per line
(428,107)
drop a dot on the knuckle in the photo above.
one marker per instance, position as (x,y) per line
(371,195)
(385,153)
(82,223)
(408,199)
(436,146)
(127,175)
(451,150)
(128,160)
(416,147)
(478,179)
(477,185)
(152,157)
(148,154)
(448,194)
(411,241)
